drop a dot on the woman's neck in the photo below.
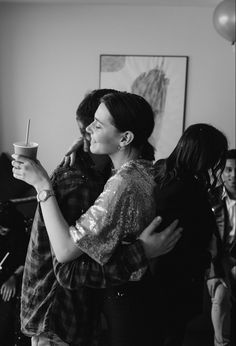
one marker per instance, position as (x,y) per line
(121,157)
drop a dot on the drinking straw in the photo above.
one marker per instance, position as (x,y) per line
(27,133)
(4,258)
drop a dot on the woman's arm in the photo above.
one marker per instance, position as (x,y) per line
(58,230)
(125,260)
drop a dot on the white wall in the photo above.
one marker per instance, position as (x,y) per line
(49,58)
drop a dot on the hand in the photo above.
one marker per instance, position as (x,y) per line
(213,284)
(157,244)
(70,155)
(8,289)
(32,172)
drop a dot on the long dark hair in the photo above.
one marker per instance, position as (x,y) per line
(131,112)
(200,152)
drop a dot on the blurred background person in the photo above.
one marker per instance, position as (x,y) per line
(222,274)
(13,245)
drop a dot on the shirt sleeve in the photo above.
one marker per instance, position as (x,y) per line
(86,272)
(115,215)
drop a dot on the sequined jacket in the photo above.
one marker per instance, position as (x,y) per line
(47,299)
(121,212)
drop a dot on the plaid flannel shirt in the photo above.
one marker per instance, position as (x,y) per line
(61,298)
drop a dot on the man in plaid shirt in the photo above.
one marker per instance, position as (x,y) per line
(57,307)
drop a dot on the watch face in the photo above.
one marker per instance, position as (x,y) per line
(43,195)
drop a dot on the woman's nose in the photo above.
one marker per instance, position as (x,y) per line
(89,128)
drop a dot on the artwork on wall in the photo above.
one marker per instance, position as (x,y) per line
(162,81)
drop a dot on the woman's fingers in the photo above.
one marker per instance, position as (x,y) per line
(173,239)
(152,227)
(171,228)
(158,243)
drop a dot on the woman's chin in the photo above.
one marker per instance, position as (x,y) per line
(93,149)
(97,151)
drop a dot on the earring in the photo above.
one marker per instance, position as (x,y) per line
(118,147)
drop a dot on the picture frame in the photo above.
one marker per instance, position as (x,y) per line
(162,81)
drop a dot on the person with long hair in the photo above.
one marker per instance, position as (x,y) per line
(183,181)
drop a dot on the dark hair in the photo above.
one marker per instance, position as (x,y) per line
(131,112)
(201,152)
(87,108)
(231,154)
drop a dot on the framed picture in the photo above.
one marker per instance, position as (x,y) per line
(162,81)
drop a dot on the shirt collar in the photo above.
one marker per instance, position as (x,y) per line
(229,200)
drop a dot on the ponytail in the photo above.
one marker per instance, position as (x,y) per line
(147,152)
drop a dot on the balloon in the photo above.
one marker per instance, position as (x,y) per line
(224,19)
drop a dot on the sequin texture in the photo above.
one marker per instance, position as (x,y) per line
(120,213)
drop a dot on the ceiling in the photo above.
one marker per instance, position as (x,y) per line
(201,3)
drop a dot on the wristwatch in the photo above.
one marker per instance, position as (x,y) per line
(43,195)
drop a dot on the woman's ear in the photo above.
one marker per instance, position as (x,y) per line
(126,139)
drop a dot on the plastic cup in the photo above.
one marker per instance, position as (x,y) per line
(29,150)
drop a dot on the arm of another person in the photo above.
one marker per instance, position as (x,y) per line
(126,259)
(9,287)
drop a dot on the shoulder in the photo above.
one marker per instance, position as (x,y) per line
(181,191)
(133,177)
(140,169)
(175,186)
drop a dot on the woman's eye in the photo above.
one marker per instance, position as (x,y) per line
(97,125)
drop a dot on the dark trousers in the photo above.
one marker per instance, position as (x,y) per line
(131,320)
(10,333)
(178,308)
(7,322)
(175,328)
